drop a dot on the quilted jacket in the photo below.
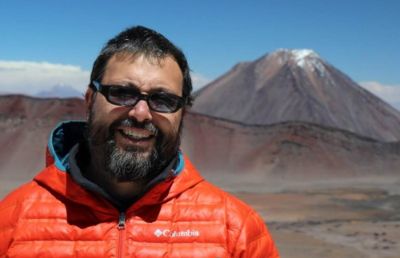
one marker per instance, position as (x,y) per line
(182,216)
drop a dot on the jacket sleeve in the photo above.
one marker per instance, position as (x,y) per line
(8,220)
(254,240)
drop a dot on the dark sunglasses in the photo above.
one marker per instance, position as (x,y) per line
(129,96)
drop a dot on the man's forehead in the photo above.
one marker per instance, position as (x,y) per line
(132,57)
(144,71)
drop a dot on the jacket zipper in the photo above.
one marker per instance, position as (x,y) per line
(121,234)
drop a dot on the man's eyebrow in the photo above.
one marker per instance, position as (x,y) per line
(158,88)
(128,84)
(162,89)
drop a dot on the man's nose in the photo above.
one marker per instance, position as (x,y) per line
(141,111)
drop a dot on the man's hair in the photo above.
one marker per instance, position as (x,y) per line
(142,40)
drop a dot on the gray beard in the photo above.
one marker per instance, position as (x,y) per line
(131,164)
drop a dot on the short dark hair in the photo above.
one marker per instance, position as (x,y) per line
(142,40)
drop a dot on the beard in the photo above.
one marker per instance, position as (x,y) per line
(131,163)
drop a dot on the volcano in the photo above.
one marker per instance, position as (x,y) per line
(297,86)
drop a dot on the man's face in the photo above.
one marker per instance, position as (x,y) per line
(134,143)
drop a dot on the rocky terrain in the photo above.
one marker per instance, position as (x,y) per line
(357,221)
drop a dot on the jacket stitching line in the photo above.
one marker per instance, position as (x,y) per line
(17,206)
(241,230)
(226,227)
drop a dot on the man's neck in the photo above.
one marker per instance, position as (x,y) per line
(122,190)
(91,168)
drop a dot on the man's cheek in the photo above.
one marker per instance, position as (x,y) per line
(99,131)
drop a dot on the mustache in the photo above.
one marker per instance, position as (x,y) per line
(128,122)
(99,134)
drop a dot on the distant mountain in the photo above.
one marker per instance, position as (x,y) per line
(297,85)
(60,91)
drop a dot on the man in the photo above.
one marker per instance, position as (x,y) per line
(119,186)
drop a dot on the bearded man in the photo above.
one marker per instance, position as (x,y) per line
(118,184)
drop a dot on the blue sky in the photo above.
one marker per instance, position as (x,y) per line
(360,37)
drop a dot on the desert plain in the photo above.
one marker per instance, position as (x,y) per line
(353,218)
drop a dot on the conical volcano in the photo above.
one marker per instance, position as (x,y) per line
(297,85)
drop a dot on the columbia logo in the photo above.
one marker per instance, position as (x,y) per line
(158,232)
(173,233)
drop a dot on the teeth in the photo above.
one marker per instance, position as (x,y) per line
(135,134)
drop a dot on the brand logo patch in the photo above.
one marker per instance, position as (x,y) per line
(174,233)
(158,232)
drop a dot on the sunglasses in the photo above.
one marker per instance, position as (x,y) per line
(128,96)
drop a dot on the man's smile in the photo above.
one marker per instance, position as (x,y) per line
(136,133)
(134,136)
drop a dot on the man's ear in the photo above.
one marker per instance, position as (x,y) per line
(89,98)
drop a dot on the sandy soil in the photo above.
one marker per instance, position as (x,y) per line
(333,222)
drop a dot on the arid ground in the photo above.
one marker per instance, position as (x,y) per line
(347,219)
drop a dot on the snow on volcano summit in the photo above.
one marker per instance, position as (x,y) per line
(307,58)
(302,53)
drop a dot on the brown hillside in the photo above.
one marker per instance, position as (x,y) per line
(25,124)
(230,153)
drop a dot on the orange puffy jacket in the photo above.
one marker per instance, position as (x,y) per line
(184,216)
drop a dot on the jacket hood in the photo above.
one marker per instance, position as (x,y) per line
(61,140)
(54,178)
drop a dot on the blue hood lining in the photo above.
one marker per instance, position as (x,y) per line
(64,136)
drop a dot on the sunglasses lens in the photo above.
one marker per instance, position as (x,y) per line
(164,102)
(128,96)
(123,96)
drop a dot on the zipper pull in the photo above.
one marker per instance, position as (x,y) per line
(121,221)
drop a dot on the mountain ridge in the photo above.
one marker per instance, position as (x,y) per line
(324,127)
(230,154)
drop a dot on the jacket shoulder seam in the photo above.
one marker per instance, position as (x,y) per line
(248,216)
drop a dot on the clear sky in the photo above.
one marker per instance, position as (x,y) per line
(359,37)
